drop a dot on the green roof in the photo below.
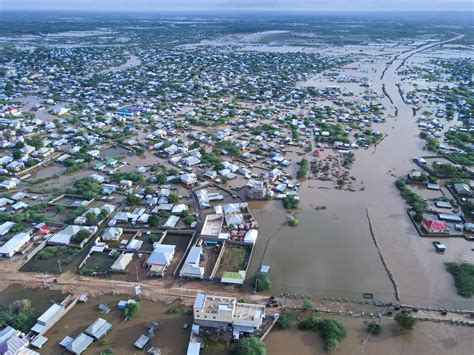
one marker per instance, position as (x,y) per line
(233,275)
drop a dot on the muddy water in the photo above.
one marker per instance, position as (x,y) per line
(40,299)
(426,338)
(131,62)
(171,337)
(331,252)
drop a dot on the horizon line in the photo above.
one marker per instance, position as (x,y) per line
(286,10)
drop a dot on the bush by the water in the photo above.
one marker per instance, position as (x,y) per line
(262,281)
(290,202)
(331,330)
(414,200)
(251,346)
(284,321)
(463,274)
(405,320)
(374,328)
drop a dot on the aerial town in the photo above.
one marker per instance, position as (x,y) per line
(226,184)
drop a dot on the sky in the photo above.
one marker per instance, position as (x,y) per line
(244,5)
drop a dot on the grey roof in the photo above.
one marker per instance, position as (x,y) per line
(99,328)
(161,255)
(141,342)
(79,343)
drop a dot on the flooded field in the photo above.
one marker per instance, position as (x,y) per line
(426,338)
(171,337)
(40,299)
(332,252)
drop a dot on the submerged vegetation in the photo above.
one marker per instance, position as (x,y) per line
(417,203)
(331,331)
(463,274)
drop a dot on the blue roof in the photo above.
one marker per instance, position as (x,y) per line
(161,255)
(199,301)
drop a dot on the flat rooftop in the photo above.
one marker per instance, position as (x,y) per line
(212,225)
(248,311)
(214,303)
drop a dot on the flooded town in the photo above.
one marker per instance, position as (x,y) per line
(236,184)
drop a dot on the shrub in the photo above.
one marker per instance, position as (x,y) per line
(154,220)
(22,321)
(293,222)
(309,305)
(133,199)
(81,235)
(262,281)
(332,331)
(161,179)
(290,202)
(251,346)
(173,198)
(131,310)
(463,274)
(310,323)
(303,170)
(405,320)
(284,321)
(374,328)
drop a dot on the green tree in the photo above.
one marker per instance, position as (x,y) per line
(463,274)
(91,218)
(251,346)
(405,320)
(153,221)
(103,214)
(293,222)
(131,310)
(81,235)
(173,198)
(133,199)
(36,141)
(161,179)
(17,154)
(332,331)
(374,328)
(284,320)
(309,305)
(262,281)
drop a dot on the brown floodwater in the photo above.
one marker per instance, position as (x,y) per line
(40,299)
(426,338)
(171,337)
(331,252)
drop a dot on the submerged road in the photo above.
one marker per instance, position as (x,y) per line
(419,276)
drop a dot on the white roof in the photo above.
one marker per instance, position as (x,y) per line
(171,222)
(15,243)
(194,348)
(122,262)
(64,236)
(251,236)
(5,227)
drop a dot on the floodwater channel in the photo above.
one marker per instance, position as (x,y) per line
(331,253)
